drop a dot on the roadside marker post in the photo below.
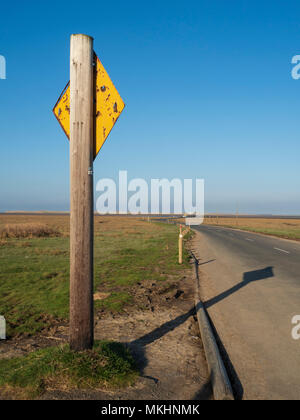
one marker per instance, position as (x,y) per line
(180,246)
(180,240)
(87,109)
(2,328)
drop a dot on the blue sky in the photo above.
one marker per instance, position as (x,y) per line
(207,87)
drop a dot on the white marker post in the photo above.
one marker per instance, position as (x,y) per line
(2,328)
(180,246)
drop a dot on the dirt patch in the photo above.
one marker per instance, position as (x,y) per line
(162,333)
(101,296)
(22,344)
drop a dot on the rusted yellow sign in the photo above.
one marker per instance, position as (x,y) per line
(108,106)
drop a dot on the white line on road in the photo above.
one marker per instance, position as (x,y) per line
(282,250)
(248,239)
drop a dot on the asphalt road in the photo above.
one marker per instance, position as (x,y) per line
(251,288)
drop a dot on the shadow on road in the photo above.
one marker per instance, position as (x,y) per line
(138,346)
(206,262)
(248,277)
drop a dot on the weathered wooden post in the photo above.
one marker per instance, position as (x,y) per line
(87,110)
(81,192)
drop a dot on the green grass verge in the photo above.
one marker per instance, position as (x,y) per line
(34,273)
(108,365)
(280,233)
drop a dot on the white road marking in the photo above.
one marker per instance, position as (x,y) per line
(282,250)
(248,239)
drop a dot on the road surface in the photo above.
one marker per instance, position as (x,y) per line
(251,288)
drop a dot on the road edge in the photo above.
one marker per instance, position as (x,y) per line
(221,385)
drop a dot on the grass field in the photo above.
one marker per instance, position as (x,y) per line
(283,228)
(108,365)
(34,265)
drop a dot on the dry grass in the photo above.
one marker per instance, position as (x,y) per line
(27,230)
(58,223)
(102,224)
(284,228)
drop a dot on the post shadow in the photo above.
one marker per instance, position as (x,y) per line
(205,392)
(137,346)
(206,262)
(163,329)
(248,277)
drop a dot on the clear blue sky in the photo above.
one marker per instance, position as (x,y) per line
(207,87)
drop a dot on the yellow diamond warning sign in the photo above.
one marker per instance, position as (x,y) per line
(108,106)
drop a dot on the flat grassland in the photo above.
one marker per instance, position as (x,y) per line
(283,228)
(34,266)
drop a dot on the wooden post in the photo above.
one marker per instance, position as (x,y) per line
(81,193)
(180,246)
